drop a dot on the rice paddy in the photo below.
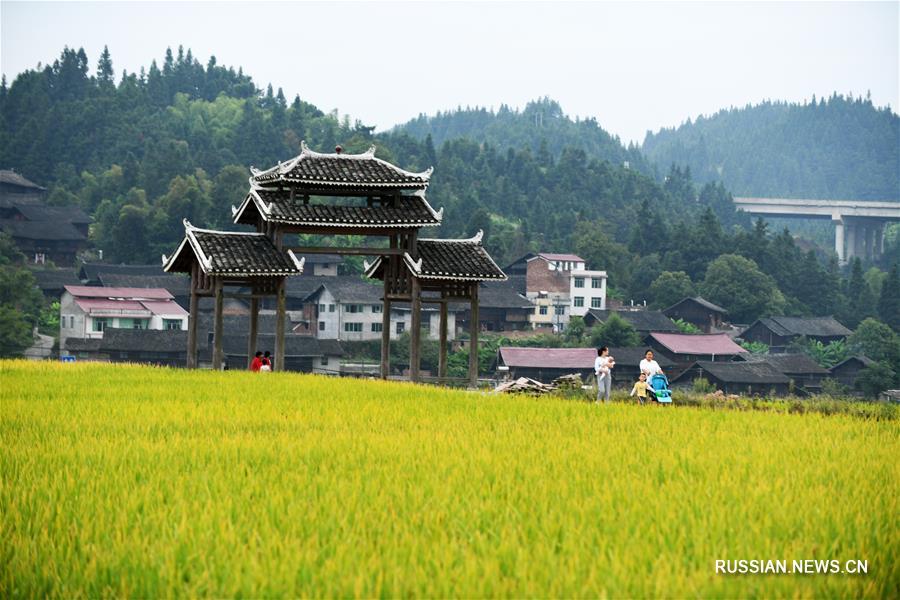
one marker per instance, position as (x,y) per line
(135,481)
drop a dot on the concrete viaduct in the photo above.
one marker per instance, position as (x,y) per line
(858,224)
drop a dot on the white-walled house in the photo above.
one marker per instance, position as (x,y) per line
(349,309)
(86,311)
(587,290)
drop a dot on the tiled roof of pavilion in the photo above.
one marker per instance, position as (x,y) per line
(231,253)
(277,206)
(340,170)
(461,260)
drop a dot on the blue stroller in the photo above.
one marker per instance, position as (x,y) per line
(659,389)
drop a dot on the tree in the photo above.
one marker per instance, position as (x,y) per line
(105,69)
(615,332)
(15,332)
(889,301)
(873,380)
(670,287)
(876,340)
(737,284)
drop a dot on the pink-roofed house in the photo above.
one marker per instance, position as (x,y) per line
(86,311)
(684,349)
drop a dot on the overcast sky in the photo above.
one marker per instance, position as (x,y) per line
(634,67)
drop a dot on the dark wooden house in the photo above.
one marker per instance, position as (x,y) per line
(699,312)
(847,371)
(779,332)
(502,306)
(685,349)
(737,377)
(802,370)
(166,348)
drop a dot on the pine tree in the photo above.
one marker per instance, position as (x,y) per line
(105,69)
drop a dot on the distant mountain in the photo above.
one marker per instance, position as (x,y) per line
(541,126)
(842,148)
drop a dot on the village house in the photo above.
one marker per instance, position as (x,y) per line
(347,308)
(302,353)
(86,311)
(643,321)
(846,371)
(322,265)
(502,307)
(587,291)
(685,349)
(778,332)
(802,370)
(701,313)
(163,347)
(737,377)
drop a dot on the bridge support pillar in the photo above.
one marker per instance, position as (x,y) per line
(839,240)
(879,240)
(871,250)
(851,241)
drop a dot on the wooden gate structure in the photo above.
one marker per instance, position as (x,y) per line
(339,194)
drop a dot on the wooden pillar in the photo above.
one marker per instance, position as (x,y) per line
(192,323)
(416,327)
(254,329)
(386,327)
(442,355)
(279,326)
(473,337)
(218,350)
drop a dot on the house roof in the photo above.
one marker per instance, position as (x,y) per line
(633,355)
(90,291)
(54,279)
(345,289)
(458,260)
(560,257)
(808,326)
(11,177)
(736,372)
(178,285)
(82,344)
(323,259)
(33,211)
(702,302)
(340,170)
(789,364)
(229,253)
(641,320)
(276,205)
(548,358)
(93,271)
(713,343)
(503,294)
(143,340)
(865,361)
(41,230)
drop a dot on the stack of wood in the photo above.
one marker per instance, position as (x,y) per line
(524,385)
(568,382)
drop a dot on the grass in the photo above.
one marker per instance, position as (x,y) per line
(135,481)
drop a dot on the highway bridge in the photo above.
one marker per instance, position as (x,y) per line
(858,224)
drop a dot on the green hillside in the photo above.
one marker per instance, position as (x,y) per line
(841,148)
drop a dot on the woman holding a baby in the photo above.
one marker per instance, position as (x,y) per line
(603,366)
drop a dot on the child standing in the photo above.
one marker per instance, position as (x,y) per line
(640,388)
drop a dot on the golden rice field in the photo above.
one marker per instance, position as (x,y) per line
(143,482)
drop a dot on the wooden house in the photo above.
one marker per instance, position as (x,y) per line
(737,377)
(699,312)
(778,332)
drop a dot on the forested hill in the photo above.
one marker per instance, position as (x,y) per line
(541,126)
(842,148)
(141,151)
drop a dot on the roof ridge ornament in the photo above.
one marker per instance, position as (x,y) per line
(165,259)
(187,225)
(234,211)
(297,263)
(477,237)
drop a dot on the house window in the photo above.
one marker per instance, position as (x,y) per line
(323,361)
(377,327)
(331,308)
(100,324)
(542,310)
(559,310)
(172,324)
(596,283)
(321,325)
(353,327)
(133,323)
(401,326)
(579,282)
(596,302)
(579,300)
(377,308)
(321,308)
(355,308)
